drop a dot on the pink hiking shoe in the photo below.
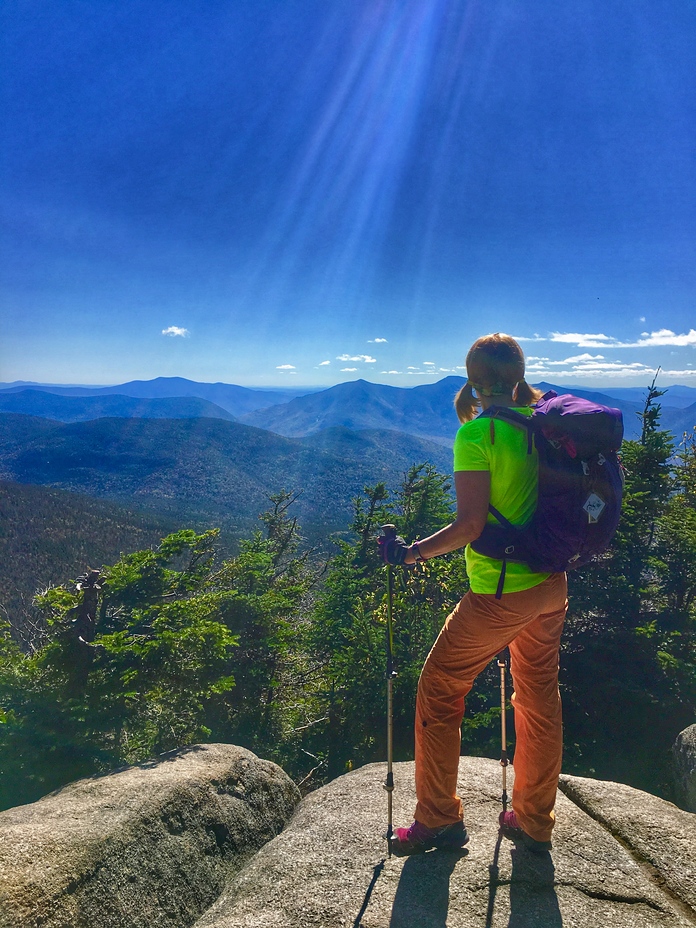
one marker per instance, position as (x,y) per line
(418,838)
(511,828)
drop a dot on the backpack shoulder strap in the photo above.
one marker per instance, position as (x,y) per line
(500,517)
(514,418)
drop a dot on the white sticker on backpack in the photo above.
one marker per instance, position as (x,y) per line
(594,506)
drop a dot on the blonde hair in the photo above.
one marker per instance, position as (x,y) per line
(494,367)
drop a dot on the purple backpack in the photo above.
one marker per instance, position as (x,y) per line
(580,486)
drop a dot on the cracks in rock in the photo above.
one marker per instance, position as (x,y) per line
(567,884)
(647,867)
(614,897)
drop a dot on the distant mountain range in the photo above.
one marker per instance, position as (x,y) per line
(209,470)
(170,456)
(233,399)
(215,470)
(82,408)
(424,411)
(677,395)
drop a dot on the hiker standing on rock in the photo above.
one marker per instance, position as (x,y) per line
(493,465)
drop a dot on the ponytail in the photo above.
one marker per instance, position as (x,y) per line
(524,395)
(465,403)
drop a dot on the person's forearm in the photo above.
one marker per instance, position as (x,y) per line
(453,536)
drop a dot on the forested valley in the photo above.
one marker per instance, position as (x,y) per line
(283,650)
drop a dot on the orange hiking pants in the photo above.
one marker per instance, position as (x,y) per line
(530,622)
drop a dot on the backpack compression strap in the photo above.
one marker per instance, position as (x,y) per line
(503,570)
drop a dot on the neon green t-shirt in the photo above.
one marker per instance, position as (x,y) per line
(514,477)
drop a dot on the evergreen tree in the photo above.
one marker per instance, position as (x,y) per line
(348,631)
(627,659)
(160,650)
(267,584)
(134,651)
(167,647)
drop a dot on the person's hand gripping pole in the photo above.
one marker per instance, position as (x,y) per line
(388,542)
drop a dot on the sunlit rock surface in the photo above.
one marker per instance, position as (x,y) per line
(329,867)
(146,847)
(176,843)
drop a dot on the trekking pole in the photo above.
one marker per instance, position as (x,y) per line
(389,531)
(502,664)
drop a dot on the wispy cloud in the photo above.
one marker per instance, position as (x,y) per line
(365,358)
(285,367)
(557,375)
(588,368)
(175,331)
(429,364)
(595,366)
(348,370)
(376,341)
(661,338)
(391,372)
(582,340)
(581,357)
(324,363)
(666,337)
(613,365)
(576,359)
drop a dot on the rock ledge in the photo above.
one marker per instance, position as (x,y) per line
(329,869)
(149,846)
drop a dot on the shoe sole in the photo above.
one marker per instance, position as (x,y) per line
(399,850)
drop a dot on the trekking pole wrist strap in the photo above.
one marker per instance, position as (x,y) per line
(419,559)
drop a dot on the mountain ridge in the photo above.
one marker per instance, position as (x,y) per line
(232,398)
(424,410)
(209,470)
(84,408)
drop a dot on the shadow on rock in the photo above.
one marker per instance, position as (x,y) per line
(533,899)
(423,894)
(368,895)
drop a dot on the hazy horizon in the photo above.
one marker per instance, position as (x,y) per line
(597,386)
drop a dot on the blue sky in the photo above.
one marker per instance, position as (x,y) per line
(303,191)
